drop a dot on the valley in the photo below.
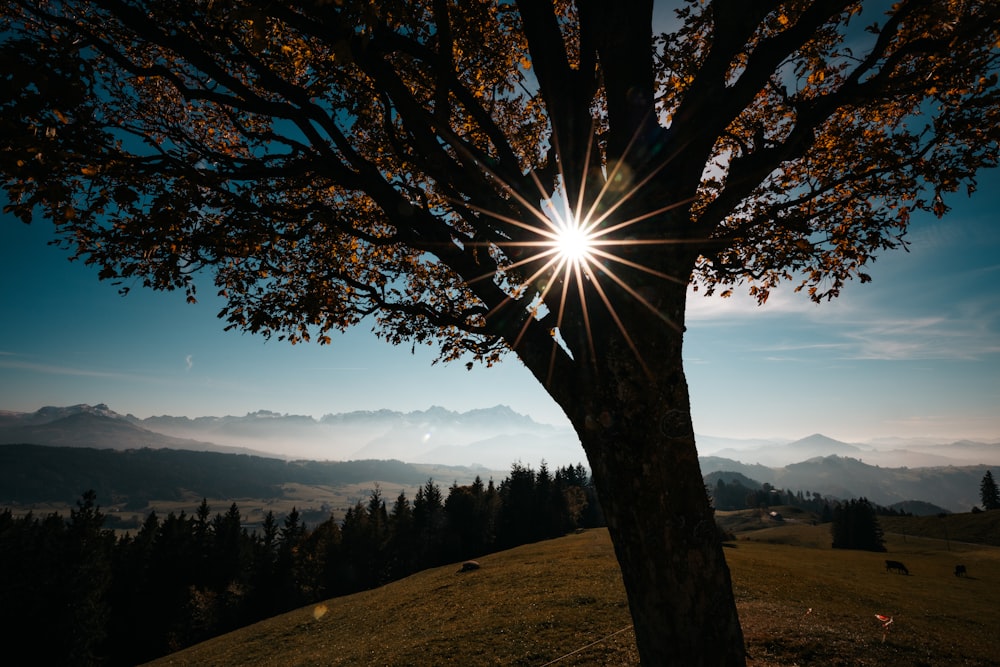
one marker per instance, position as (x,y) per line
(284,459)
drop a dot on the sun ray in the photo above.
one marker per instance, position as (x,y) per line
(586,313)
(638,297)
(559,317)
(571,244)
(637,266)
(645,216)
(618,322)
(541,299)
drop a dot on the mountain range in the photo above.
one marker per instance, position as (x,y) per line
(492,438)
(889,471)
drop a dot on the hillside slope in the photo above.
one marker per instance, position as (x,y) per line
(562,601)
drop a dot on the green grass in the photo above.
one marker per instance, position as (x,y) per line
(562,600)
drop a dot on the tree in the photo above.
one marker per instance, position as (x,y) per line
(402,541)
(517,520)
(988,492)
(428,525)
(855,526)
(88,580)
(545,177)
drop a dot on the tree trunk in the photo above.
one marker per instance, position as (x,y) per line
(675,574)
(634,420)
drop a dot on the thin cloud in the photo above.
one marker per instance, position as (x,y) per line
(898,339)
(189,362)
(718,310)
(804,347)
(51,369)
(341,368)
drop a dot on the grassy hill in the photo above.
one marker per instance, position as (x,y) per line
(562,602)
(980,528)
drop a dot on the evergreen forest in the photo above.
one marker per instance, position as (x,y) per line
(77,593)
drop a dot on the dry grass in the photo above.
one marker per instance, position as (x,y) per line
(563,600)
(809,606)
(981,528)
(527,606)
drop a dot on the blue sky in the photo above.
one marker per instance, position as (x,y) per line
(915,353)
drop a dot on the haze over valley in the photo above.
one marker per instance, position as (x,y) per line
(887,471)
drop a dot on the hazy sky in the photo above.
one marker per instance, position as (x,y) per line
(916,352)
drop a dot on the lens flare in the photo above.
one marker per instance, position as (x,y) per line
(573,242)
(568,249)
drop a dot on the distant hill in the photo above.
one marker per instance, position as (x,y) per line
(885,452)
(818,444)
(778,453)
(36,473)
(953,488)
(918,508)
(730,477)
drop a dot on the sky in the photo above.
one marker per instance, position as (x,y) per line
(914,353)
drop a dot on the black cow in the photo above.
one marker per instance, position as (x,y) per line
(960,571)
(895,565)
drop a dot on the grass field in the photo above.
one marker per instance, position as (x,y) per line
(562,602)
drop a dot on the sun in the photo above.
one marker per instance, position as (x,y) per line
(564,260)
(573,242)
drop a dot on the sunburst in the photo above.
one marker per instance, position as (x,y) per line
(570,233)
(576,249)
(574,242)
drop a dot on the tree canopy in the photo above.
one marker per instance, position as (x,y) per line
(333,160)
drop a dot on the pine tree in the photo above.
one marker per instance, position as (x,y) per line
(377,538)
(229,549)
(325,562)
(516,523)
(263,589)
(402,540)
(428,523)
(88,580)
(989,493)
(855,526)
(288,562)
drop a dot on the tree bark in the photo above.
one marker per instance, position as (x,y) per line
(634,419)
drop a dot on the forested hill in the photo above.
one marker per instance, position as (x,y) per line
(131,478)
(35,473)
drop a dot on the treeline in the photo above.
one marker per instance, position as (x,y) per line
(75,594)
(855,526)
(853,523)
(738,496)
